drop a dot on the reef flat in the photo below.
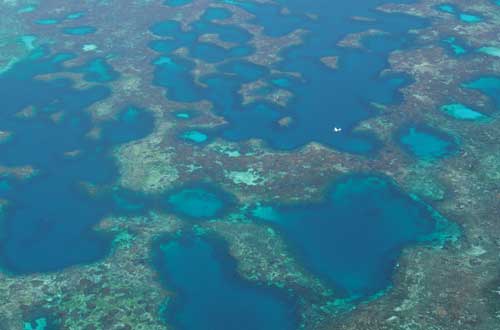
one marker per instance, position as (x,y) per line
(144,142)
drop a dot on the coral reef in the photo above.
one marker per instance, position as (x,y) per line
(447,288)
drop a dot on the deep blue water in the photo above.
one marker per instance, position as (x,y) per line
(209,294)
(324,99)
(97,70)
(352,239)
(198,202)
(48,225)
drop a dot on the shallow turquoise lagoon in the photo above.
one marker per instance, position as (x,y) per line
(463,16)
(221,300)
(456,48)
(461,111)
(38,324)
(76,15)
(447,8)
(177,3)
(195,136)
(426,143)
(183,115)
(47,21)
(352,239)
(470,18)
(41,322)
(29,41)
(27,9)
(490,50)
